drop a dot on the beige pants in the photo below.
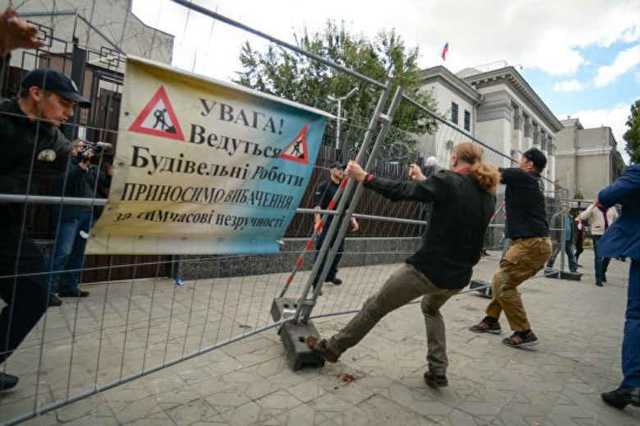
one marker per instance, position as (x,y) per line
(402,287)
(522,261)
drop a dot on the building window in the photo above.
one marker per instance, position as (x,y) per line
(454,112)
(467,120)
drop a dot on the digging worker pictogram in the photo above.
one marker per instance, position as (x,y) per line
(160,116)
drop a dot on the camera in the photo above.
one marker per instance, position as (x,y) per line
(92,149)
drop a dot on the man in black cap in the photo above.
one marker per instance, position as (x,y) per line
(528,230)
(32,145)
(323,196)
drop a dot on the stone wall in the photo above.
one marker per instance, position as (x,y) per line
(358,252)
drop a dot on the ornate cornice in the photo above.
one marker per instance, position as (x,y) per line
(445,76)
(510,76)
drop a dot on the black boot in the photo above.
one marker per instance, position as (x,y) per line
(7,381)
(435,380)
(622,397)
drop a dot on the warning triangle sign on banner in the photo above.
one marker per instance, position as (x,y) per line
(158,119)
(298,150)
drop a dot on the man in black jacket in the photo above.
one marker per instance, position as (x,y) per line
(31,145)
(528,230)
(463,202)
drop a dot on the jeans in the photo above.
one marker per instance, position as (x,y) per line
(404,285)
(557,246)
(68,253)
(601,263)
(524,258)
(631,342)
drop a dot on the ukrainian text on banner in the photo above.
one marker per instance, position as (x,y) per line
(204,167)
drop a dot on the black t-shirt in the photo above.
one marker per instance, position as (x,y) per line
(461,214)
(324,193)
(524,204)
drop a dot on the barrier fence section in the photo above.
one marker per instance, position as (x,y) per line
(146,313)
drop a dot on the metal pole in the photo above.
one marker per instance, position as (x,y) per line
(563,243)
(339,119)
(338,122)
(305,306)
(324,248)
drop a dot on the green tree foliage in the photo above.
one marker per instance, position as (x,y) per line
(632,135)
(293,76)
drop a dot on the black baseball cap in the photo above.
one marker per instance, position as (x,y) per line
(56,82)
(537,157)
(337,165)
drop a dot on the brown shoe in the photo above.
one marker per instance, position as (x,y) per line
(487,325)
(520,339)
(321,347)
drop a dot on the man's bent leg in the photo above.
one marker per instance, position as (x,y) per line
(436,332)
(26,297)
(522,261)
(630,344)
(404,285)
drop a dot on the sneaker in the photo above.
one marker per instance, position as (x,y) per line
(487,325)
(435,380)
(7,381)
(54,300)
(599,284)
(622,397)
(76,293)
(335,281)
(521,339)
(321,347)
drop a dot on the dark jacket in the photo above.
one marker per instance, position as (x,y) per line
(524,204)
(27,145)
(453,241)
(623,237)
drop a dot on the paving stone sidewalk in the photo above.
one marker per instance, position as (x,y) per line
(579,325)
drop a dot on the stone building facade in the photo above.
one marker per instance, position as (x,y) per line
(497,107)
(587,160)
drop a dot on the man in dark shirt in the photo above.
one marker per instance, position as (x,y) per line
(528,230)
(463,203)
(31,144)
(75,222)
(323,196)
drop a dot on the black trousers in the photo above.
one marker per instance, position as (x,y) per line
(336,261)
(26,297)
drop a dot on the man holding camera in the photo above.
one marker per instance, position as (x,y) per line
(74,223)
(32,145)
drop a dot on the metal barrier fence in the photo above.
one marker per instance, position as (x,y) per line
(147,313)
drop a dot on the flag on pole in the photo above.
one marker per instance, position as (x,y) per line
(445,49)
